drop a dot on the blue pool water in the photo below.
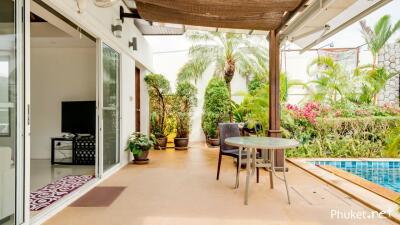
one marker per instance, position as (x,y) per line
(384,173)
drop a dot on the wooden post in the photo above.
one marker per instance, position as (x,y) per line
(274,92)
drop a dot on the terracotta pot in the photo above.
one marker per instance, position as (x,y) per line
(161,143)
(142,158)
(181,143)
(214,141)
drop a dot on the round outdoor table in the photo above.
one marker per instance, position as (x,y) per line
(268,145)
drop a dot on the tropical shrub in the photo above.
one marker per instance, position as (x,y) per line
(330,81)
(392,148)
(377,36)
(216,106)
(159,91)
(229,53)
(184,101)
(326,131)
(255,105)
(254,109)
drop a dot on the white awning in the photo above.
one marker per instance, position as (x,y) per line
(322,19)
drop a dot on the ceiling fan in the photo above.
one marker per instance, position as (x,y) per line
(105,3)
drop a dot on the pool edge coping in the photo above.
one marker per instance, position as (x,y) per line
(359,193)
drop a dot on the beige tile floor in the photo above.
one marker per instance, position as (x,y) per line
(43,173)
(179,188)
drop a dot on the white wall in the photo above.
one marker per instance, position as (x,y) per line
(57,74)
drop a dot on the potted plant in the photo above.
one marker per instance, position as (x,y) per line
(140,144)
(216,108)
(184,101)
(159,90)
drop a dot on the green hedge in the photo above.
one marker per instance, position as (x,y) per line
(342,137)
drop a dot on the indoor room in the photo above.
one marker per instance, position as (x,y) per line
(63,107)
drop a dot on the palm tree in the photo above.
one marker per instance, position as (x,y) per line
(377,36)
(331,81)
(372,81)
(229,53)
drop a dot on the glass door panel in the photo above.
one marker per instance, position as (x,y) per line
(110,107)
(9,129)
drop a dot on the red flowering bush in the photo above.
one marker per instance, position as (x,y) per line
(308,113)
(343,129)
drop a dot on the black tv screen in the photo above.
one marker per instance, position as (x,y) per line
(78,117)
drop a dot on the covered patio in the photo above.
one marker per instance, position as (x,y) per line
(178,188)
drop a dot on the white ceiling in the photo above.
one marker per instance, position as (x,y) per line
(55,33)
(45,35)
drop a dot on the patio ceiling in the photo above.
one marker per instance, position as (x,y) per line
(236,14)
(303,22)
(322,19)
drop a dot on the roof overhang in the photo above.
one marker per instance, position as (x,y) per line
(303,22)
(321,19)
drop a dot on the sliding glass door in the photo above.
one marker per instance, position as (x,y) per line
(11,143)
(110,107)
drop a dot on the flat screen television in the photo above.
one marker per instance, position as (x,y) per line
(78,117)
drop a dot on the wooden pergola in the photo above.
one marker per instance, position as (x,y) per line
(267,15)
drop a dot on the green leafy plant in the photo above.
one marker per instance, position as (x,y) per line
(393,143)
(255,105)
(341,130)
(138,142)
(159,90)
(228,52)
(331,81)
(216,106)
(184,101)
(372,80)
(377,36)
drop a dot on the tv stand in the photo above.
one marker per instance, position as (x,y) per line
(82,150)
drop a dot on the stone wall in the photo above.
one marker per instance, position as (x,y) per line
(390,59)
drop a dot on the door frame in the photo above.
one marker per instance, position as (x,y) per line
(22,208)
(25,176)
(100,167)
(138,88)
(24,76)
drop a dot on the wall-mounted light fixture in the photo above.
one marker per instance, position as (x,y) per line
(116,28)
(105,3)
(133,44)
(122,14)
(82,5)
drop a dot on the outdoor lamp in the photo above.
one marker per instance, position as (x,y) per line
(133,44)
(82,5)
(116,28)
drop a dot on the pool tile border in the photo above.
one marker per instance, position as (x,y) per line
(357,192)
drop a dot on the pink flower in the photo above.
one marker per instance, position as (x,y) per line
(309,112)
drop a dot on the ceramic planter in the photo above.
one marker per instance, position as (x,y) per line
(161,143)
(142,158)
(181,143)
(213,142)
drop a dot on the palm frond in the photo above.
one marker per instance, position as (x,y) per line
(193,70)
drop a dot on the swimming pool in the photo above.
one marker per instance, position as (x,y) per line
(384,173)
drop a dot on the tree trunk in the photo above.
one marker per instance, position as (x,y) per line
(375,98)
(228,76)
(228,84)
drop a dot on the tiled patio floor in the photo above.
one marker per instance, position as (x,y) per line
(179,188)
